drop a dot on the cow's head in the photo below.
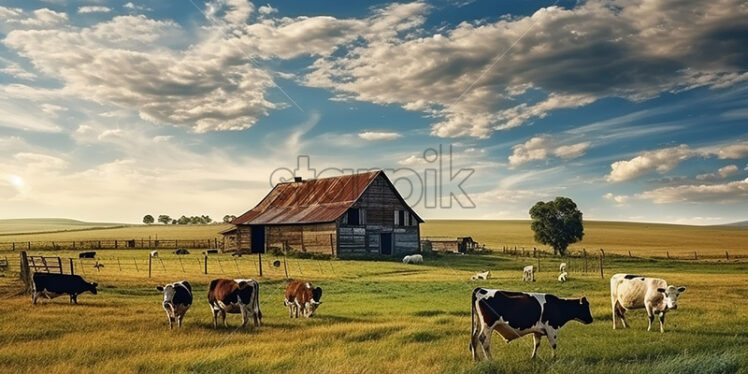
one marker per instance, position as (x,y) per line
(92,287)
(169,291)
(584,314)
(670,295)
(315,302)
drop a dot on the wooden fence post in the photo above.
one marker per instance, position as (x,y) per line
(259,261)
(116,244)
(584,252)
(150,262)
(695,257)
(332,246)
(630,254)
(602,258)
(14,246)
(206,263)
(72,270)
(25,272)
(667,253)
(29,245)
(727,256)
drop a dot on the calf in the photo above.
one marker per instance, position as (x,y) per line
(563,277)
(53,285)
(413,259)
(516,314)
(154,253)
(562,268)
(302,296)
(87,255)
(528,273)
(177,300)
(235,296)
(634,292)
(483,275)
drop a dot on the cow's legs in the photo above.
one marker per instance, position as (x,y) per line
(551,335)
(614,307)
(179,320)
(622,315)
(662,322)
(245,314)
(223,317)
(215,317)
(486,342)
(171,322)
(650,315)
(34,296)
(536,343)
(290,310)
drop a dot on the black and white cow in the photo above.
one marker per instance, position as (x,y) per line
(177,301)
(52,285)
(516,314)
(235,296)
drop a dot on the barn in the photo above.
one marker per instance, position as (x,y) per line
(354,214)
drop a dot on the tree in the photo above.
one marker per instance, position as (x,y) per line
(228,218)
(183,220)
(207,219)
(557,223)
(164,219)
(148,219)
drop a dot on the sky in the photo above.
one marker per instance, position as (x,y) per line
(637,110)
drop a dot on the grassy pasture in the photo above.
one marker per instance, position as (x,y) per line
(35,225)
(376,317)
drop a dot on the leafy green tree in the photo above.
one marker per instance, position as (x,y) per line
(164,219)
(148,219)
(183,220)
(228,218)
(557,223)
(206,219)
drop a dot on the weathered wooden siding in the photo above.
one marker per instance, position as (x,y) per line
(317,238)
(379,203)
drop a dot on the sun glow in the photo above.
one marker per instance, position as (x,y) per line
(16,181)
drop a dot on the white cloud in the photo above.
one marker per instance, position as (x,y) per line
(618,199)
(266,10)
(24,117)
(94,9)
(736,191)
(721,173)
(456,75)
(541,147)
(378,135)
(666,159)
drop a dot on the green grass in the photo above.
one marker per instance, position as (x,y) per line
(376,317)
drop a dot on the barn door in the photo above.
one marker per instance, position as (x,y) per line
(386,242)
(258,239)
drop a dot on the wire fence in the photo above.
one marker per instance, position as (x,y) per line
(112,244)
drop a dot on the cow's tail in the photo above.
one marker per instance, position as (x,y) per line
(473,327)
(211,289)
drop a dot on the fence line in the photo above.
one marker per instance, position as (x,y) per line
(212,243)
(530,251)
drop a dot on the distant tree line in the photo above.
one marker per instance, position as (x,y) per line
(184,220)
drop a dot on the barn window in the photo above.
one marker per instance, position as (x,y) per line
(353,217)
(401,218)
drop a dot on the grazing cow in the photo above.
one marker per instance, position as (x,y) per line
(302,296)
(235,296)
(87,255)
(210,252)
(635,292)
(562,268)
(516,314)
(528,274)
(483,275)
(563,277)
(413,259)
(154,253)
(177,300)
(52,285)
(181,251)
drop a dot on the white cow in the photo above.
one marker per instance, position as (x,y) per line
(413,259)
(563,277)
(154,253)
(635,292)
(562,267)
(528,274)
(483,275)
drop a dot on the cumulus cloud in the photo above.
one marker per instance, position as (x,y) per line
(379,135)
(666,159)
(94,9)
(618,199)
(541,147)
(568,58)
(721,173)
(736,191)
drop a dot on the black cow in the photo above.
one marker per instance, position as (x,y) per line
(177,300)
(181,251)
(87,255)
(53,285)
(516,314)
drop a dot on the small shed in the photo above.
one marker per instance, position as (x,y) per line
(354,214)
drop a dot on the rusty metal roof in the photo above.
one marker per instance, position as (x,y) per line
(309,201)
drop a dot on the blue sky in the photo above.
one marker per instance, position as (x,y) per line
(637,110)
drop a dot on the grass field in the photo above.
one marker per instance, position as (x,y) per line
(376,317)
(35,225)
(642,239)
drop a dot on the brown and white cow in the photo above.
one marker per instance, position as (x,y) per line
(235,296)
(177,301)
(516,314)
(302,296)
(636,292)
